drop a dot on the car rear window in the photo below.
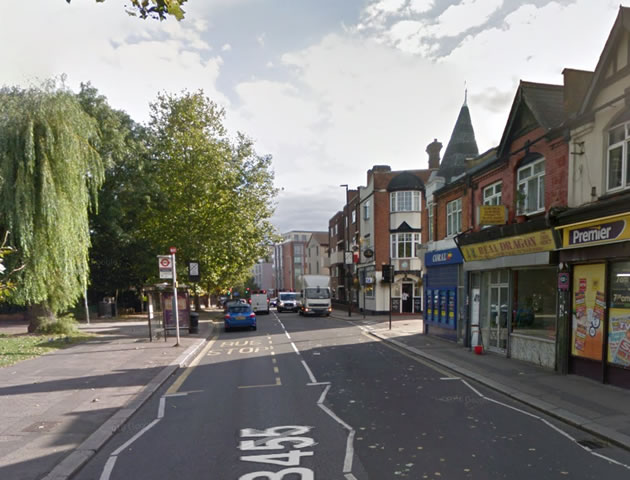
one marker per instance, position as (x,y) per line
(239,309)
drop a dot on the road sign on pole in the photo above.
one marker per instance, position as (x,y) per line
(175,302)
(193,271)
(165,266)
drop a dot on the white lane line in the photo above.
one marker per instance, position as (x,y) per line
(161,407)
(549,424)
(295,348)
(310,374)
(347,463)
(349,476)
(109,468)
(317,383)
(116,452)
(473,388)
(451,378)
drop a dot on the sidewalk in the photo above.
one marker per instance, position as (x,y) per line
(599,409)
(56,410)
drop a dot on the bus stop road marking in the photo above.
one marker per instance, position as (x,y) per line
(180,380)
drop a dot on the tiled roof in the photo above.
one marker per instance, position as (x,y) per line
(462,145)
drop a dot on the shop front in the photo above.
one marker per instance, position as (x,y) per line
(596,256)
(512,287)
(443,284)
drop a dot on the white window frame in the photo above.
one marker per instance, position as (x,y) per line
(430,213)
(454,217)
(366,210)
(404,201)
(398,239)
(624,145)
(522,205)
(492,194)
(354,216)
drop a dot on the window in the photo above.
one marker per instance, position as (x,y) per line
(536,302)
(354,216)
(453,217)
(492,194)
(404,245)
(405,201)
(530,193)
(366,210)
(618,171)
(430,226)
(336,231)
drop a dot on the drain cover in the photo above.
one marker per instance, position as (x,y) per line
(592,444)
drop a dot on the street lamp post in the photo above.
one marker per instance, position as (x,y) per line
(346,245)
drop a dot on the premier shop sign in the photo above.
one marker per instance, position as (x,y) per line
(597,232)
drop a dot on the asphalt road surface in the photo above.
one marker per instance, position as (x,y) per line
(319,398)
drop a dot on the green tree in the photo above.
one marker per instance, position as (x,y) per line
(120,258)
(217,194)
(50,176)
(156,9)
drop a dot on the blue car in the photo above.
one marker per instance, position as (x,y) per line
(239,315)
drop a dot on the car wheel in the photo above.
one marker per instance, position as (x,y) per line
(226,329)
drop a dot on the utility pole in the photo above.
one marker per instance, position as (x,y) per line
(346,248)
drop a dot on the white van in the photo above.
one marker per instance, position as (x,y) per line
(259,302)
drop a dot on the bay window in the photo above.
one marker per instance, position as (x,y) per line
(405,202)
(403,245)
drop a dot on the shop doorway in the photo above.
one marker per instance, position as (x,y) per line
(407,298)
(495,308)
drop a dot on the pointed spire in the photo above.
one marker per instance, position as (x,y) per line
(462,145)
(465,95)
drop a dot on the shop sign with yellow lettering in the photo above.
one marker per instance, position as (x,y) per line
(596,232)
(536,242)
(492,214)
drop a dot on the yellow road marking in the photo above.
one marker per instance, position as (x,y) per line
(275,370)
(178,382)
(273,360)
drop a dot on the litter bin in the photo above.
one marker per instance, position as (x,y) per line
(194,323)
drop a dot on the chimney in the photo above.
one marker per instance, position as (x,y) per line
(433,149)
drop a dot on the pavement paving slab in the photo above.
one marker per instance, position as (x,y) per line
(56,410)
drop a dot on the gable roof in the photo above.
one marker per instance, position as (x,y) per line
(461,145)
(544,101)
(622,22)
(319,237)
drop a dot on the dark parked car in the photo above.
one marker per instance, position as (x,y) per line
(239,315)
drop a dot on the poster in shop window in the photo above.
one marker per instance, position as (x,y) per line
(619,318)
(589,305)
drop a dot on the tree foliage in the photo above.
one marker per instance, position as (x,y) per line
(155,9)
(216,194)
(120,257)
(50,176)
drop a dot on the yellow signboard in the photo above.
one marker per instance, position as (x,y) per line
(536,242)
(492,214)
(596,232)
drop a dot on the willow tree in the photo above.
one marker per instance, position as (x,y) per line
(50,176)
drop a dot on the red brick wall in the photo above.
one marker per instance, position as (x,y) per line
(440,210)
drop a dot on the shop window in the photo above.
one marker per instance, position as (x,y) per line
(619,315)
(535,302)
(405,202)
(618,171)
(453,217)
(530,190)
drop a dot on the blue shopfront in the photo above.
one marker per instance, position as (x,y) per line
(441,284)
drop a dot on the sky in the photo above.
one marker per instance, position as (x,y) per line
(328,88)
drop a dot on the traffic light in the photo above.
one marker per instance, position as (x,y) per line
(388,273)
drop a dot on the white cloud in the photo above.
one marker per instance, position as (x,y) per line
(420,6)
(226,47)
(466,15)
(261,39)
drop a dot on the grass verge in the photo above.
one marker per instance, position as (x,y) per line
(15,348)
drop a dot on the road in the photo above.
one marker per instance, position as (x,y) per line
(319,398)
